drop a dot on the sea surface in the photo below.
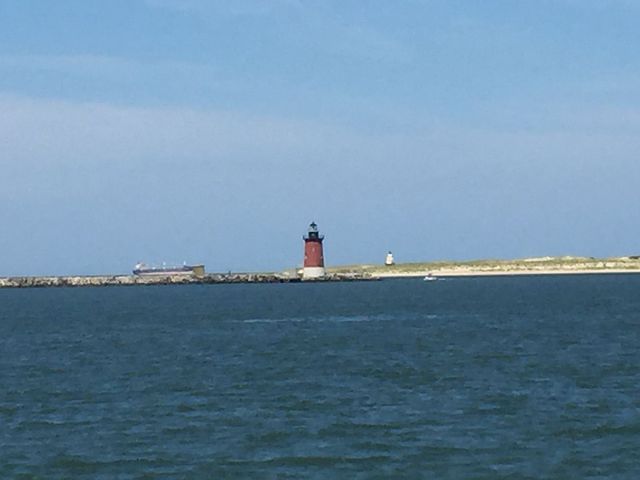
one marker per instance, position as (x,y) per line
(466,378)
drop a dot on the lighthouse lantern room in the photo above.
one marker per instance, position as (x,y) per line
(313,255)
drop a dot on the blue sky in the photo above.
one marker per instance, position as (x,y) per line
(211,131)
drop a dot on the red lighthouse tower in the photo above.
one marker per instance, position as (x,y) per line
(313,256)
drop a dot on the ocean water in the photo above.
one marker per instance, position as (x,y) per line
(483,378)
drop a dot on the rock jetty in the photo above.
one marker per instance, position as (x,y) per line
(133,280)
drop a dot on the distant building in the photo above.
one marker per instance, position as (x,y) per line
(389,260)
(313,255)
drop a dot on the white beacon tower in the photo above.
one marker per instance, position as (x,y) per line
(389,260)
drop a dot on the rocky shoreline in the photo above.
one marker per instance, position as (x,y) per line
(133,280)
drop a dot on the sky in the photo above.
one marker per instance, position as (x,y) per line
(215,131)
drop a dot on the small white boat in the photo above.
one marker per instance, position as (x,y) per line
(430,278)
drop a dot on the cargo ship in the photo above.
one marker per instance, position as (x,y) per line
(143,269)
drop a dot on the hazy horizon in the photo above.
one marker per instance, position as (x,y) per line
(214,132)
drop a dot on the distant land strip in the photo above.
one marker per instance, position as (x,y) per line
(524,266)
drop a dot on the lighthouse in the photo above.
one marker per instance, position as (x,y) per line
(313,256)
(389,261)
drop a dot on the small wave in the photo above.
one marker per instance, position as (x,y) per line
(600,431)
(335,319)
(77,464)
(313,460)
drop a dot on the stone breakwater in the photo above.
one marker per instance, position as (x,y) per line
(132,280)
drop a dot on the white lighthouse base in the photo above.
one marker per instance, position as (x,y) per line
(313,272)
